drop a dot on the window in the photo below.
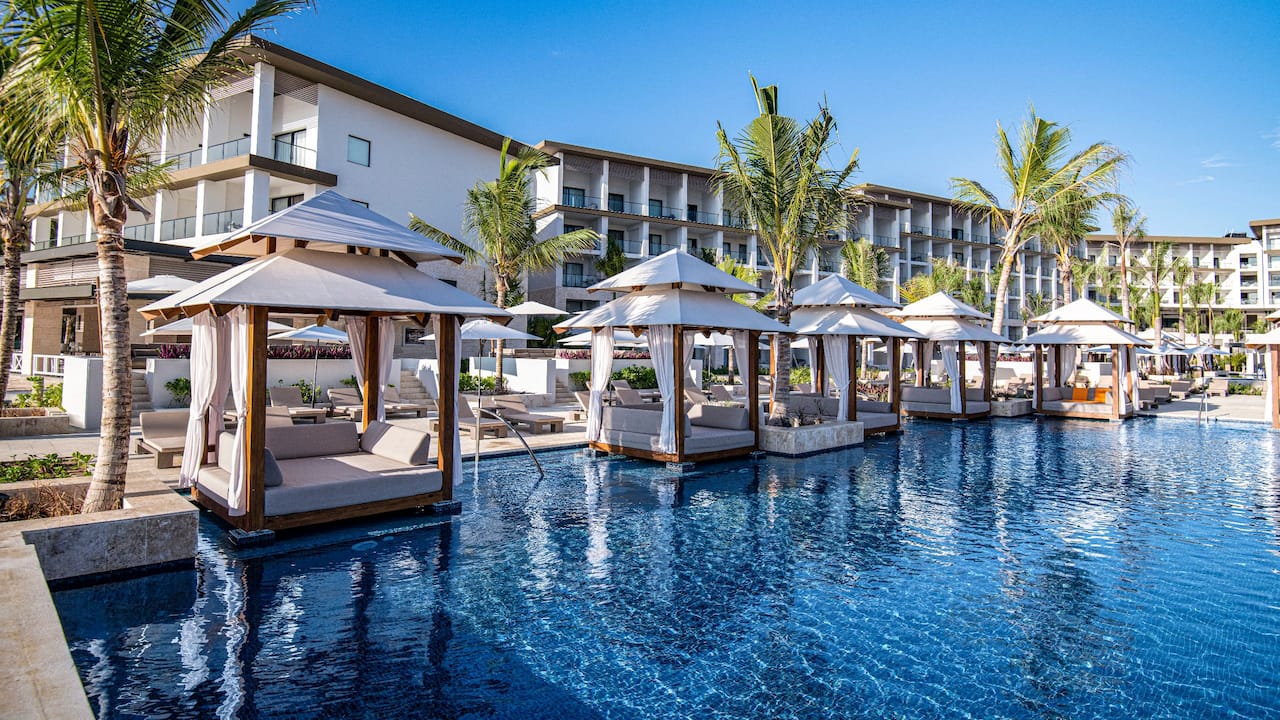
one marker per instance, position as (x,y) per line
(656,244)
(361,203)
(575,197)
(287,147)
(358,150)
(617,236)
(617,203)
(573,228)
(655,208)
(280,203)
(577,306)
(693,213)
(693,243)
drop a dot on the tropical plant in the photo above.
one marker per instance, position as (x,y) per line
(974,292)
(774,171)
(1156,266)
(1130,227)
(751,276)
(180,390)
(1183,276)
(115,72)
(639,377)
(1041,173)
(1065,222)
(1261,326)
(707,255)
(1230,322)
(944,276)
(1034,305)
(613,261)
(309,392)
(499,214)
(1205,293)
(864,263)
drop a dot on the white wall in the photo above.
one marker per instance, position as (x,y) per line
(82,391)
(279,372)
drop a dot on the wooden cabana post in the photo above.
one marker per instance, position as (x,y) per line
(895,376)
(678,371)
(447,404)
(852,390)
(749,374)
(256,421)
(372,361)
(1115,381)
(1038,352)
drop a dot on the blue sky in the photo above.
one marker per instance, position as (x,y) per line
(1190,90)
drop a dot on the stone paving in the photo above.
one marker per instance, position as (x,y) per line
(1234,408)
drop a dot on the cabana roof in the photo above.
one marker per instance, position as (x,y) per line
(675,269)
(689,308)
(333,223)
(940,305)
(1263,340)
(847,320)
(1082,311)
(949,329)
(311,281)
(1274,315)
(838,290)
(1087,335)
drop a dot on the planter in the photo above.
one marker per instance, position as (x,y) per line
(25,422)
(810,439)
(1011,408)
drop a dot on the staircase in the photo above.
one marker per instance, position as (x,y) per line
(564,395)
(141,395)
(411,388)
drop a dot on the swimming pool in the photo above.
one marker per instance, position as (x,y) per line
(1004,569)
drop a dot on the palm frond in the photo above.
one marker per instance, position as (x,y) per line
(428,230)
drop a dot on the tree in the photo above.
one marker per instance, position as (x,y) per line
(1230,322)
(751,276)
(944,276)
(499,214)
(1041,173)
(1155,267)
(613,261)
(774,172)
(864,263)
(1066,221)
(1034,305)
(1183,276)
(116,71)
(28,154)
(1130,227)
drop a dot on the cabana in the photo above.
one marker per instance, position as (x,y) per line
(1084,324)
(948,324)
(1270,344)
(669,299)
(332,258)
(842,313)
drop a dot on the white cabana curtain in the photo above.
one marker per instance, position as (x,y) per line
(357,333)
(457,359)
(1268,400)
(741,346)
(238,359)
(1069,355)
(951,363)
(356,328)
(835,350)
(688,360)
(210,376)
(925,361)
(661,351)
(601,369)
(1122,372)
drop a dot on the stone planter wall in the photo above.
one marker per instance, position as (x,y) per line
(810,439)
(24,422)
(1011,408)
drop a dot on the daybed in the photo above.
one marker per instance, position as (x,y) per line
(312,471)
(1077,402)
(936,402)
(710,430)
(874,416)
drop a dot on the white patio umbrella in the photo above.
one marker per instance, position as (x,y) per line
(318,334)
(158,286)
(530,307)
(621,338)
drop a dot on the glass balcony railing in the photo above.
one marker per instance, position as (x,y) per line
(632,247)
(43,244)
(666,212)
(574,280)
(573,199)
(293,154)
(229,149)
(222,222)
(73,239)
(728,219)
(178,228)
(137,232)
(184,160)
(657,248)
(914,229)
(828,266)
(739,257)
(705,218)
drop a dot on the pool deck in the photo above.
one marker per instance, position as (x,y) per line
(1232,408)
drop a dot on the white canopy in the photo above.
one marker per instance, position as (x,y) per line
(1211,350)
(1274,315)
(329,222)
(1081,311)
(940,305)
(621,338)
(675,269)
(158,285)
(318,333)
(481,329)
(847,320)
(945,329)
(1087,335)
(530,307)
(689,308)
(1253,340)
(316,281)
(183,327)
(839,290)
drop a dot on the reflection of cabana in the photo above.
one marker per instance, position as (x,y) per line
(840,312)
(370,279)
(1084,324)
(672,297)
(1270,343)
(948,324)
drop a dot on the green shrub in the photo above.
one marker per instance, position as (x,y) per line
(800,375)
(45,467)
(350,381)
(308,391)
(1235,361)
(580,380)
(40,396)
(640,377)
(469,383)
(1243,389)
(180,389)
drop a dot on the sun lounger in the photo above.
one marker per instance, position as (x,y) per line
(724,395)
(650,395)
(627,396)
(290,397)
(346,402)
(1179,389)
(695,397)
(514,410)
(1217,386)
(164,433)
(468,421)
(395,406)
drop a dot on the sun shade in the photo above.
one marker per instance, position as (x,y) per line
(839,290)
(689,308)
(675,269)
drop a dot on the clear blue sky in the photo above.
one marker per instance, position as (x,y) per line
(1190,90)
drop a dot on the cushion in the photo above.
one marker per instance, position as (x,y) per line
(272,477)
(871,420)
(1051,394)
(331,438)
(729,418)
(410,447)
(873,406)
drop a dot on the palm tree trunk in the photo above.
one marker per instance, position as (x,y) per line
(15,241)
(501,286)
(780,402)
(1124,284)
(106,490)
(1002,291)
(1065,272)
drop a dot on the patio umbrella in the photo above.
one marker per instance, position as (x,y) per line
(318,334)
(530,307)
(621,338)
(157,286)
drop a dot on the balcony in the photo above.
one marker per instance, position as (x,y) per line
(665,212)
(75,239)
(222,222)
(632,247)
(914,229)
(578,281)
(577,200)
(657,248)
(885,240)
(137,232)
(705,218)
(293,154)
(1248,299)
(728,220)
(178,228)
(828,266)
(221,151)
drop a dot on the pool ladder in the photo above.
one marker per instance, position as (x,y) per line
(485,411)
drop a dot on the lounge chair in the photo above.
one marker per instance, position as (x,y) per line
(696,397)
(1217,386)
(1146,397)
(513,409)
(164,433)
(650,395)
(1179,389)
(627,396)
(468,421)
(346,402)
(394,405)
(584,401)
(724,395)
(290,397)
(708,429)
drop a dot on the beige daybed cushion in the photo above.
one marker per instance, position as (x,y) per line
(410,447)
(877,419)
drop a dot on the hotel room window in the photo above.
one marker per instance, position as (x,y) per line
(358,150)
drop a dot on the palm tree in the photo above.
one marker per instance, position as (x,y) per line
(751,276)
(1040,173)
(1034,305)
(1205,293)
(944,276)
(1156,266)
(613,261)
(116,71)
(499,213)
(1183,276)
(864,263)
(774,172)
(28,155)
(1130,227)
(1065,223)
(1231,322)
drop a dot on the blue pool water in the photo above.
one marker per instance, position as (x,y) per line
(1024,569)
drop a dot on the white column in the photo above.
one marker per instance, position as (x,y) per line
(157,216)
(602,187)
(206,132)
(264,91)
(682,200)
(202,188)
(257,195)
(644,197)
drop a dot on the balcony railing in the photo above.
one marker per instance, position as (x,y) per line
(178,228)
(137,232)
(828,266)
(293,154)
(666,212)
(632,247)
(579,201)
(705,218)
(75,239)
(657,248)
(225,221)
(221,151)
(574,280)
(914,229)
(728,220)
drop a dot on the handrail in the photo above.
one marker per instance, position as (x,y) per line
(485,411)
